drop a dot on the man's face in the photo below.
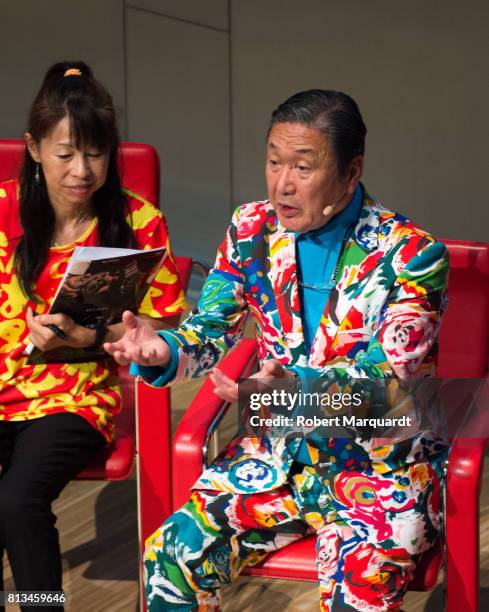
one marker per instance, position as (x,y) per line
(302,177)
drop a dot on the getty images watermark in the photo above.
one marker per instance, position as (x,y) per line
(295,402)
(366,408)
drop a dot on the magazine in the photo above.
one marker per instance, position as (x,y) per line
(99,284)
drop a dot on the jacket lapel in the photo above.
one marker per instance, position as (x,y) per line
(283,276)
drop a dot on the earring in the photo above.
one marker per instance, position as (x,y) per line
(36,175)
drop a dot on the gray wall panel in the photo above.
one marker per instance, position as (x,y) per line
(177,83)
(419,73)
(213,13)
(37,34)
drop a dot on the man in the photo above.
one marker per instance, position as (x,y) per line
(339,288)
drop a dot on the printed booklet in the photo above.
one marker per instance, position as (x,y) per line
(99,284)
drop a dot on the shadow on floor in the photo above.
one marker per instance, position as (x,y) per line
(114,550)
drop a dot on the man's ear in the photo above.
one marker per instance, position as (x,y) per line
(32,146)
(355,174)
(356,169)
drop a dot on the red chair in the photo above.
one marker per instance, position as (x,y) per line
(140,171)
(464,353)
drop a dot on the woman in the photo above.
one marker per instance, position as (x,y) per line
(340,290)
(55,417)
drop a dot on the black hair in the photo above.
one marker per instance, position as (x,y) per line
(69,89)
(335,114)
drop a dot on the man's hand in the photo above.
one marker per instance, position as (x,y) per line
(227,389)
(140,344)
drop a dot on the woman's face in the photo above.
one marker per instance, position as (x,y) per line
(72,175)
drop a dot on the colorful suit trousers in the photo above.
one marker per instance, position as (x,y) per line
(370,535)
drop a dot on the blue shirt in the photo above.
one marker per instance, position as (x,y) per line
(318,253)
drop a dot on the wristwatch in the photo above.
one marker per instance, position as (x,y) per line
(100,333)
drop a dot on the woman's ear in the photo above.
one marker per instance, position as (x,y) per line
(32,146)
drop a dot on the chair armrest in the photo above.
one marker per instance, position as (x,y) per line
(201,419)
(464,480)
(153,421)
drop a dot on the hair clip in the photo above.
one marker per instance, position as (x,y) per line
(72,72)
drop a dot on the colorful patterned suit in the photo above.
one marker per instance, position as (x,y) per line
(375,509)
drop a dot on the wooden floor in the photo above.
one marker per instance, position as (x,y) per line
(98,533)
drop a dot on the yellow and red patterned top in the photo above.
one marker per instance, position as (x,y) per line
(90,389)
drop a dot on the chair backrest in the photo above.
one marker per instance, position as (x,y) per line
(139,165)
(464,334)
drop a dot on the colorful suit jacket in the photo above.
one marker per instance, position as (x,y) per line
(381,320)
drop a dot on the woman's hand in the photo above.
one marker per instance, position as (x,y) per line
(140,344)
(227,389)
(46,338)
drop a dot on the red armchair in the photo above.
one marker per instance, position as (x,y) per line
(464,353)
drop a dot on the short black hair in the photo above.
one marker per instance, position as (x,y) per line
(335,114)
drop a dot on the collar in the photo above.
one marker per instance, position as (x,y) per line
(365,231)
